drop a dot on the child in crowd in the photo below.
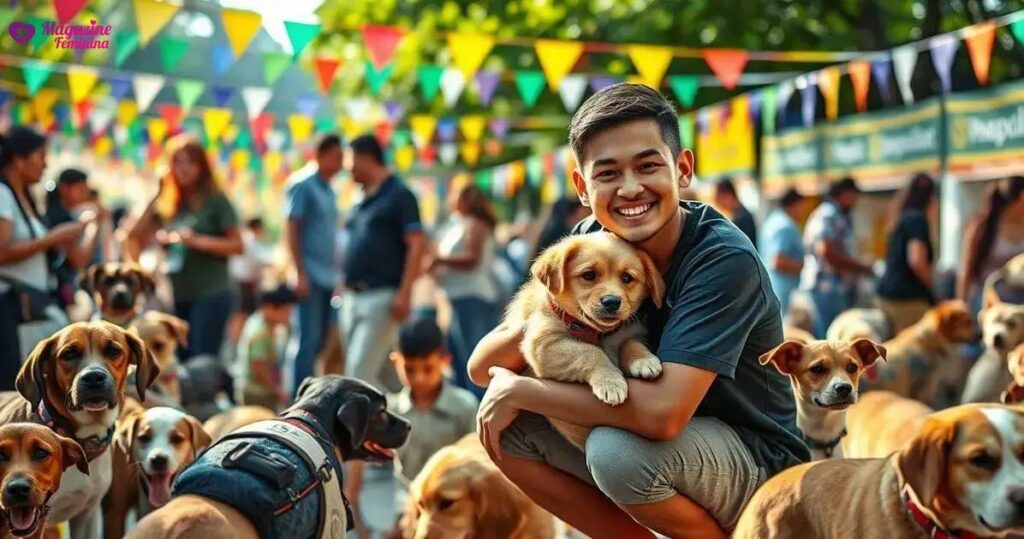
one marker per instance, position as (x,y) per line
(259,352)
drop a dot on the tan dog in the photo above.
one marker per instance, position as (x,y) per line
(116,288)
(74,382)
(578,311)
(881,423)
(825,376)
(461,493)
(924,359)
(1014,392)
(1002,330)
(163,333)
(863,323)
(34,459)
(959,476)
(235,418)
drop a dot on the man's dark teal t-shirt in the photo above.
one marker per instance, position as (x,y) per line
(720,314)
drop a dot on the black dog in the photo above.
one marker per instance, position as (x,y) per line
(207,388)
(256,485)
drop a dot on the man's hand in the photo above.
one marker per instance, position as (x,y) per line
(302,284)
(400,307)
(497,410)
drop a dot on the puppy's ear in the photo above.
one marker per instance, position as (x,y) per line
(653,278)
(990,294)
(498,507)
(303,386)
(146,367)
(30,381)
(146,282)
(869,351)
(921,463)
(785,356)
(124,433)
(72,454)
(199,437)
(89,278)
(354,418)
(551,266)
(177,327)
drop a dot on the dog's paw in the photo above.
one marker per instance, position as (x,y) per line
(647,368)
(610,390)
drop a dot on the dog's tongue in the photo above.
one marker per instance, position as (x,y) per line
(159,490)
(22,518)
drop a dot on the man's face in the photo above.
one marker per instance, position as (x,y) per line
(630,181)
(74,194)
(329,161)
(359,165)
(847,200)
(421,374)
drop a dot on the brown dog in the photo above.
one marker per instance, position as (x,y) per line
(33,460)
(74,382)
(116,288)
(1014,393)
(163,333)
(234,419)
(959,476)
(461,493)
(825,376)
(578,311)
(881,423)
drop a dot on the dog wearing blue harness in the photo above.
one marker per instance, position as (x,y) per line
(282,478)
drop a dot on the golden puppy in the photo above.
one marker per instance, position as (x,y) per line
(924,359)
(116,288)
(33,460)
(959,476)
(825,376)
(880,423)
(163,333)
(461,493)
(861,323)
(578,313)
(1002,329)
(1014,392)
(235,418)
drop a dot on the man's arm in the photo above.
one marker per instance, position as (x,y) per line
(294,209)
(499,348)
(833,252)
(787,265)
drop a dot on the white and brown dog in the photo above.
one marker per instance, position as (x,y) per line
(163,333)
(1002,330)
(74,382)
(825,377)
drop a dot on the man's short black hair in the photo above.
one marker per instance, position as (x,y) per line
(843,185)
(368,145)
(69,176)
(327,142)
(726,187)
(790,197)
(618,104)
(278,296)
(420,337)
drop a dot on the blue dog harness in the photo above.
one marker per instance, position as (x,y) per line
(282,474)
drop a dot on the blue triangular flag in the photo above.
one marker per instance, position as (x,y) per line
(308,104)
(221,95)
(119,86)
(880,76)
(222,58)
(446,129)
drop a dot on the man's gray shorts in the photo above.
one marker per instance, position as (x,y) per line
(707,463)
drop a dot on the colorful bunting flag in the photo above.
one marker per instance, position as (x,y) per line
(35,74)
(83,109)
(557,59)
(685,87)
(358,108)
(241,27)
(67,9)
(860,78)
(472,127)
(188,91)
(430,81)
(274,65)
(158,129)
(422,126)
(903,61)
(221,95)
(125,43)
(375,78)
(486,85)
(427,155)
(39,36)
(300,35)
(119,85)
(943,50)
(726,64)
(171,115)
(880,74)
(81,81)
(215,121)
(498,127)
(469,51)
(404,158)
(600,82)
(172,50)
(127,111)
(381,42)
(325,69)
(151,16)
(651,62)
(307,104)
(222,58)
(146,88)
(808,99)
(529,84)
(446,129)
(452,83)
(42,106)
(470,152)
(384,132)
(1017,29)
(571,91)
(102,114)
(394,111)
(828,83)
(979,40)
(449,153)
(255,99)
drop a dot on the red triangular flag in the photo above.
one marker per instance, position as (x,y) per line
(381,42)
(428,154)
(172,115)
(67,9)
(979,40)
(383,132)
(260,125)
(82,110)
(325,70)
(726,64)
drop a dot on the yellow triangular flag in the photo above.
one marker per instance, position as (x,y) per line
(216,121)
(157,130)
(557,59)
(636,79)
(301,127)
(240,26)
(239,159)
(103,146)
(127,111)
(651,62)
(151,16)
(231,133)
(470,152)
(828,83)
(422,126)
(473,127)
(469,51)
(81,80)
(272,162)
(42,105)
(350,128)
(404,158)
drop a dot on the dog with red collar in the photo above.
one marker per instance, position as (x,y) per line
(579,314)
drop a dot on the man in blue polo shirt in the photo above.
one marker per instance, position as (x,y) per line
(312,212)
(382,260)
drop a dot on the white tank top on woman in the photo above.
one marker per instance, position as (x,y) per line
(32,270)
(466,283)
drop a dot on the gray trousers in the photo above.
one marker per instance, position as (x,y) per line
(369,335)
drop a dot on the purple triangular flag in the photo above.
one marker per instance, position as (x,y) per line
(221,95)
(119,86)
(600,82)
(60,113)
(307,104)
(79,53)
(446,129)
(498,127)
(4,96)
(222,58)
(808,103)
(943,50)
(880,76)
(487,83)
(394,110)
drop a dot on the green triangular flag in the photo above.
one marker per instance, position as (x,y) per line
(172,49)
(274,65)
(125,43)
(188,91)
(35,74)
(1017,29)
(40,36)
(768,110)
(530,84)
(300,34)
(430,81)
(483,180)
(686,130)
(244,140)
(685,88)
(325,124)
(401,137)
(135,131)
(255,164)
(376,79)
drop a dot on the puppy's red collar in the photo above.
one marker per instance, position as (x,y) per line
(93,446)
(576,327)
(929,526)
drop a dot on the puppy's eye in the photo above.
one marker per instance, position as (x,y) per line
(1011,324)
(4,457)
(818,369)
(40,454)
(157,346)
(444,504)
(983,461)
(71,355)
(851,368)
(144,438)
(589,275)
(627,278)
(112,351)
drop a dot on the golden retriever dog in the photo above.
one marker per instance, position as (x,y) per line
(163,333)
(460,493)
(578,311)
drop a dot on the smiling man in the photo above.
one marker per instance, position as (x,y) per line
(685,452)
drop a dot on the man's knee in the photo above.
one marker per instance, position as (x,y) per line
(624,468)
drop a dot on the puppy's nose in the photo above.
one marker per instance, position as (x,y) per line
(999,341)
(18,490)
(611,303)
(94,379)
(158,463)
(843,390)
(1016,497)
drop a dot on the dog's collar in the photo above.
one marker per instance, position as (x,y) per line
(576,327)
(828,447)
(93,446)
(929,526)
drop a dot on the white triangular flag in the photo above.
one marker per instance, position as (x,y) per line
(452,84)
(120,135)
(784,92)
(448,153)
(102,113)
(571,90)
(358,109)
(146,88)
(903,61)
(275,140)
(256,99)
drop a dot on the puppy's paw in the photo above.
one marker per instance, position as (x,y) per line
(647,368)
(610,390)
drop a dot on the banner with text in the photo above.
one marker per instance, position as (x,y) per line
(725,143)
(986,132)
